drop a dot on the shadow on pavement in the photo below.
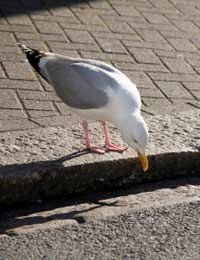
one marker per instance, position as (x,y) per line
(21,217)
(17,7)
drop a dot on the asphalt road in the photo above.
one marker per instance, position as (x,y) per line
(167,232)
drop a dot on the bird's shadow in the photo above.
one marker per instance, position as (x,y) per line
(70,156)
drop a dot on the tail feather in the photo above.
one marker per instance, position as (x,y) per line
(25,48)
(34,56)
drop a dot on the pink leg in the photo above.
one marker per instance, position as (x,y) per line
(87,140)
(109,145)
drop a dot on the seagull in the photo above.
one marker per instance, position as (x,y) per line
(95,91)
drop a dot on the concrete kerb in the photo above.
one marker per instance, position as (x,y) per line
(35,167)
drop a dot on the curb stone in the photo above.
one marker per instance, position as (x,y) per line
(35,167)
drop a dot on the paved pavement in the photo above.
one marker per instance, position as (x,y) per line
(156,43)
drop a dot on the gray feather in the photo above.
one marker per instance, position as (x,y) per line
(80,83)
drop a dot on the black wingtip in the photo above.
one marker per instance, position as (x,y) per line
(32,55)
(25,48)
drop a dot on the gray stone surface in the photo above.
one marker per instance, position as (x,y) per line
(162,232)
(45,163)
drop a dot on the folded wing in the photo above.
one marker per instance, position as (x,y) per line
(79,84)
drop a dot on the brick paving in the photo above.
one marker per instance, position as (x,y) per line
(155,42)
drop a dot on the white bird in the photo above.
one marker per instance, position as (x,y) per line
(95,91)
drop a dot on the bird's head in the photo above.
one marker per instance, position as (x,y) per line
(135,134)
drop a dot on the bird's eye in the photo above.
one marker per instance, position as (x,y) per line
(135,141)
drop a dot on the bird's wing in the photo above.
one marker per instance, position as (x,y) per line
(79,84)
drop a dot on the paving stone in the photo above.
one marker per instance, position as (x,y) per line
(54,37)
(150,35)
(178,65)
(155,18)
(188,10)
(12,114)
(144,56)
(6,39)
(170,54)
(192,85)
(155,27)
(137,75)
(158,105)
(69,53)
(38,105)
(48,27)
(196,94)
(27,36)
(16,124)
(79,11)
(44,37)
(45,85)
(148,45)
(119,27)
(9,49)
(108,35)
(174,90)
(182,45)
(16,28)
(111,45)
(151,92)
(79,36)
(60,11)
(2,73)
(126,10)
(100,4)
(56,121)
(114,17)
(194,61)
(21,19)
(194,104)
(174,34)
(85,27)
(174,77)
(19,70)
(41,113)
(183,105)
(38,95)
(9,99)
(48,18)
(140,79)
(165,6)
(186,26)
(63,108)
(56,45)
(90,19)
(197,69)
(140,67)
(196,42)
(11,56)
(35,44)
(19,84)
(73,46)
(106,56)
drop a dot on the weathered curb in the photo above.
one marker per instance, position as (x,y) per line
(34,165)
(46,181)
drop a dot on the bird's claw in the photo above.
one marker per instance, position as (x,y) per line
(96,149)
(115,148)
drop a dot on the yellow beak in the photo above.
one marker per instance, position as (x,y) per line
(144,161)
